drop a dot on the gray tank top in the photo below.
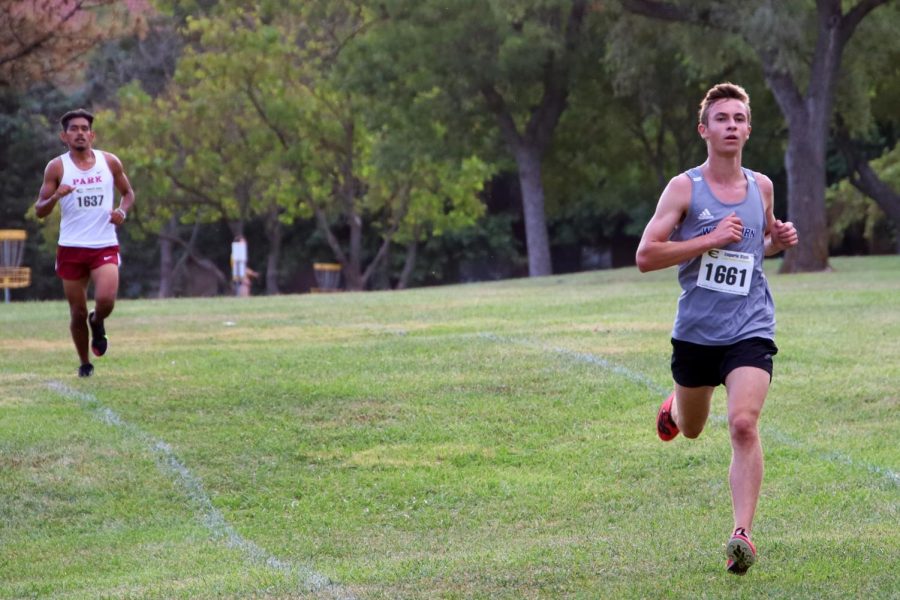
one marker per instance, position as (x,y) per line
(725,297)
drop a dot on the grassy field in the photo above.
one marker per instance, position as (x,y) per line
(479,441)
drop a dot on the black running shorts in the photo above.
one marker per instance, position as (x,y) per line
(696,365)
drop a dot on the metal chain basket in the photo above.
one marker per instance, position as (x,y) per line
(12,252)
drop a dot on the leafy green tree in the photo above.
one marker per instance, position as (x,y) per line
(437,196)
(867,125)
(800,49)
(515,61)
(255,126)
(648,121)
(878,179)
(351,181)
(622,136)
(199,154)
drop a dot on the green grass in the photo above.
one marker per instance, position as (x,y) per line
(478,441)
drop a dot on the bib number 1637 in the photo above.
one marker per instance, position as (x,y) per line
(89,201)
(726,271)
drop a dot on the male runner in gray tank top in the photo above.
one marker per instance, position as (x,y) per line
(717,224)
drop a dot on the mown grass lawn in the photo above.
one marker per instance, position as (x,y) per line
(479,441)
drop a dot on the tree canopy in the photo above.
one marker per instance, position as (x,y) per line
(800,49)
(405,139)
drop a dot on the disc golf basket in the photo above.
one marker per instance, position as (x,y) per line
(328,277)
(12,251)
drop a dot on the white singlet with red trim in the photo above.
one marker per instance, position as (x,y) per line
(86,211)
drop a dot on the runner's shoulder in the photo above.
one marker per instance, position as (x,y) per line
(678,191)
(765,184)
(54,168)
(112,160)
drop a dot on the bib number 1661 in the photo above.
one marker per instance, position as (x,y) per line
(726,271)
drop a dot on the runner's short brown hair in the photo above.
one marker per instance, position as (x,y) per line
(723,91)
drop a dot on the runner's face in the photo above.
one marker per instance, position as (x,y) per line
(728,125)
(78,134)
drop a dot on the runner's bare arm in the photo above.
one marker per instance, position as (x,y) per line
(51,190)
(117,216)
(780,235)
(657,251)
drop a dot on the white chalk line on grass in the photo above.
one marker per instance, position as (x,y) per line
(640,378)
(307,578)
(592,359)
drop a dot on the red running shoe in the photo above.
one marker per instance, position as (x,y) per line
(740,551)
(666,428)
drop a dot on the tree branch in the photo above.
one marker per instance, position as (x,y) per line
(333,242)
(389,234)
(497,105)
(863,177)
(556,86)
(200,261)
(199,195)
(869,183)
(265,117)
(782,84)
(663,11)
(50,34)
(850,20)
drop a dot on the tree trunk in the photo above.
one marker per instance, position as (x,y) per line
(805,165)
(528,147)
(275,234)
(381,277)
(353,268)
(537,239)
(350,192)
(167,259)
(408,265)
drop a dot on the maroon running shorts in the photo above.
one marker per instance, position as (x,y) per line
(77,263)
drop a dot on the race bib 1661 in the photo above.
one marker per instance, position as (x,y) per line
(726,271)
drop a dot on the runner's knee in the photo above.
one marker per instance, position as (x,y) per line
(692,432)
(104,306)
(78,313)
(743,428)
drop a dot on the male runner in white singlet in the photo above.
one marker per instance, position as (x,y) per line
(716,223)
(83,181)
